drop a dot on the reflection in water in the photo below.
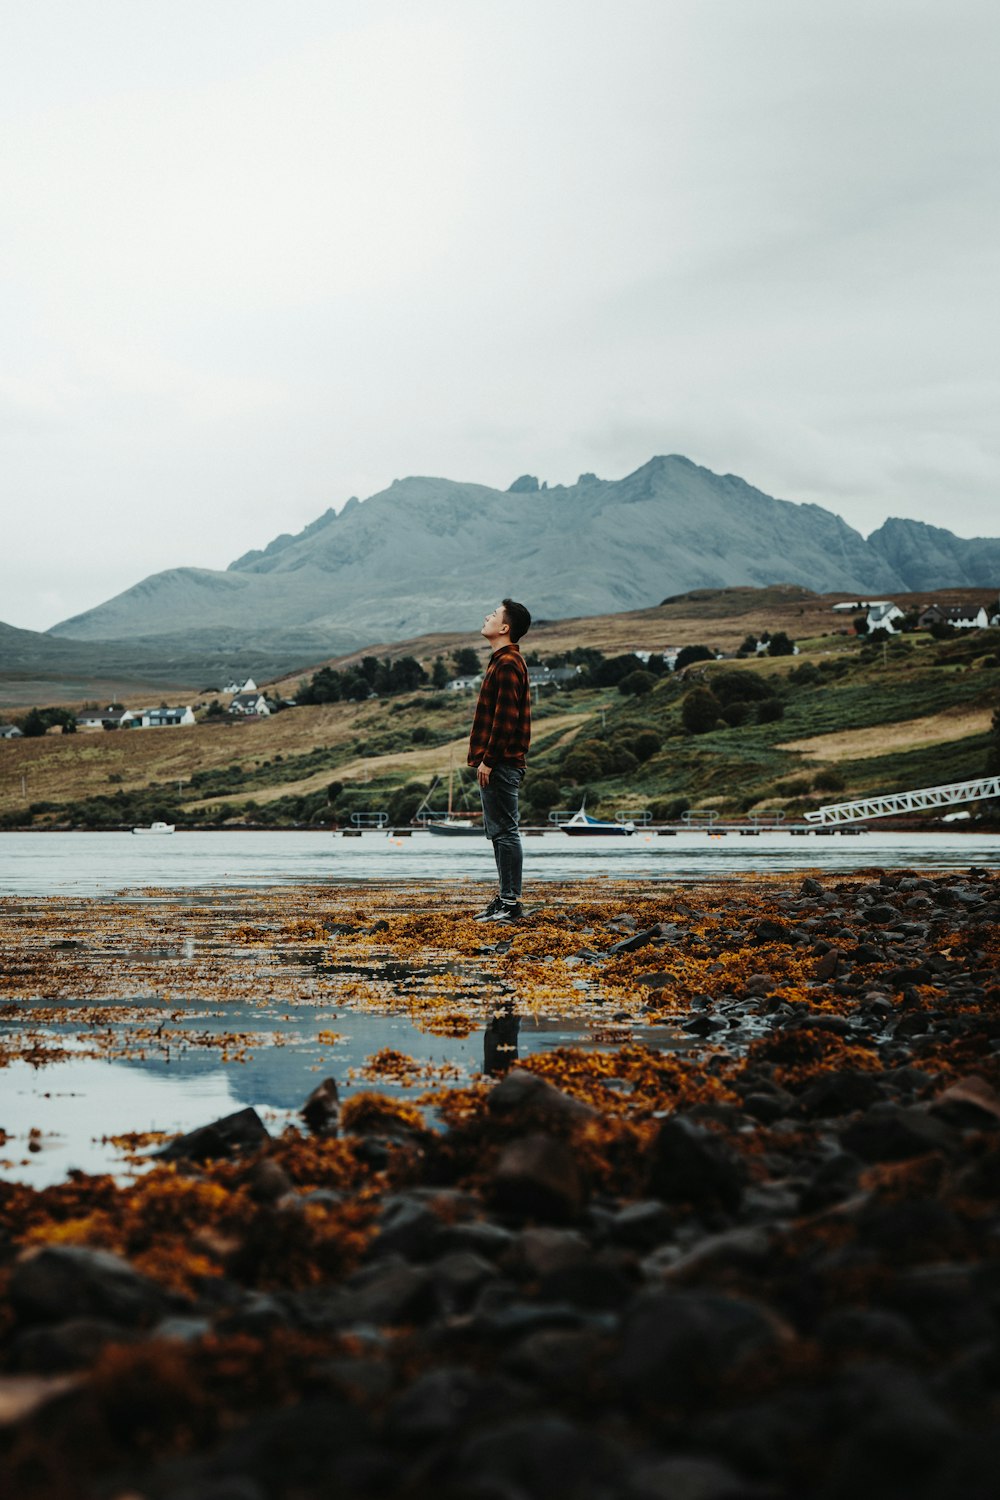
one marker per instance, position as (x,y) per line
(500,1040)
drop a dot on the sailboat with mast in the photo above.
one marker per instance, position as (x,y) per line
(452,826)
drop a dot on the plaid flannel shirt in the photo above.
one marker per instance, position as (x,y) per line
(501,729)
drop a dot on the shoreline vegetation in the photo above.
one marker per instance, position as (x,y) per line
(760,1265)
(744,734)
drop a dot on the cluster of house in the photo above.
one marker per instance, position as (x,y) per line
(536,677)
(882,614)
(539,676)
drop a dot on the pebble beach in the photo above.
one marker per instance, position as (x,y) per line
(741,1242)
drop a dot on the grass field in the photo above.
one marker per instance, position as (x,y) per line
(916,713)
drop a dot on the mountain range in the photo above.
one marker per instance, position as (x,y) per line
(433,554)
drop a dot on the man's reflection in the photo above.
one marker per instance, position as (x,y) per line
(500,1040)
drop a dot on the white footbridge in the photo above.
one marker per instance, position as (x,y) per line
(901,802)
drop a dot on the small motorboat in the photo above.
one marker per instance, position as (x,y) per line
(156,827)
(452,828)
(582,825)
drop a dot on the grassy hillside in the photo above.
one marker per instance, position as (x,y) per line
(856,718)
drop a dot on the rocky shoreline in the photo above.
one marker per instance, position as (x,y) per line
(768,1266)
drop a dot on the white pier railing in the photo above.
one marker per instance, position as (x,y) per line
(898,802)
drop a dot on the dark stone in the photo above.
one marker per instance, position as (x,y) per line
(321,1110)
(683,1478)
(63,1282)
(556,1360)
(478,1236)
(969,1103)
(539,1456)
(773,932)
(690,1164)
(657,979)
(538,1177)
(880,914)
(892,1132)
(706,1025)
(387,1293)
(871,1331)
(679,1346)
(267,1182)
(918,1228)
(295,1450)
(641,1226)
(525,1098)
(768,1107)
(242,1131)
(834,1180)
(840,1093)
(893,1435)
(407,1227)
(638,940)
(442,1401)
(458,1278)
(864,953)
(47,1349)
(827,965)
(946,1305)
(901,977)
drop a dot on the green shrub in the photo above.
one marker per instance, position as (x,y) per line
(796,786)
(542,793)
(828,780)
(736,713)
(741,687)
(770,710)
(582,765)
(700,711)
(646,744)
(688,654)
(668,810)
(637,684)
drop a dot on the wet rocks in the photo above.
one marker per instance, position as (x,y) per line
(242,1131)
(61,1282)
(688,1163)
(321,1110)
(537,1176)
(762,1271)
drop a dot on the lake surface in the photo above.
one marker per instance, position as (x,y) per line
(82,864)
(58,1114)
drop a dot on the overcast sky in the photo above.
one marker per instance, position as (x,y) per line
(257,256)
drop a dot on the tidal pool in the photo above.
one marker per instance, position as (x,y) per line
(63,1107)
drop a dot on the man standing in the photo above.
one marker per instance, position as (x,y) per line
(498,745)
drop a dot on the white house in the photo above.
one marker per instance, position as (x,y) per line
(9,732)
(246,687)
(881,615)
(250,704)
(161,718)
(463,684)
(105,718)
(961,616)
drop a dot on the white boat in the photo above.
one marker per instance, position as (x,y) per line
(157,827)
(581,824)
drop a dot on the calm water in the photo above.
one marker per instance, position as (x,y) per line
(53,864)
(75,1102)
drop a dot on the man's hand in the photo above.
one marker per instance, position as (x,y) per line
(483,774)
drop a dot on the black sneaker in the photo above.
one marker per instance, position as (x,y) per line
(488,911)
(508,912)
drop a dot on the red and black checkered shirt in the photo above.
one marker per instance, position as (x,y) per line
(501,729)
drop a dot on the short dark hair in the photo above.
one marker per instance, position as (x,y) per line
(518,619)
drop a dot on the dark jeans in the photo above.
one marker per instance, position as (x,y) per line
(500,820)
